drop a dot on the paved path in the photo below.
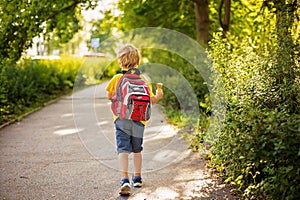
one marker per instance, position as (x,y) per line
(66,151)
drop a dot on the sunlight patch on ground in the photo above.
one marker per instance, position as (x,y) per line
(67,131)
(165,193)
(159,132)
(165,155)
(67,115)
(102,123)
(161,193)
(199,188)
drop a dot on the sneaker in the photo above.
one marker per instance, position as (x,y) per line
(137,181)
(125,187)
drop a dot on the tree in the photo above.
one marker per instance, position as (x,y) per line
(224,23)
(103,28)
(193,18)
(202,21)
(190,17)
(175,15)
(21,21)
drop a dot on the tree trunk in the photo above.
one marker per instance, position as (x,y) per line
(226,17)
(226,21)
(202,21)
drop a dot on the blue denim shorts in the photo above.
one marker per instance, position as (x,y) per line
(129,136)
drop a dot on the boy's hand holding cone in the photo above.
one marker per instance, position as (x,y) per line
(159,93)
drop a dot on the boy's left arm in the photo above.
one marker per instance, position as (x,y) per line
(159,95)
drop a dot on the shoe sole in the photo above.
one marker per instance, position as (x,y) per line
(137,184)
(125,189)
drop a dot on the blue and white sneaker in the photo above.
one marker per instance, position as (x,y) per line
(125,187)
(137,181)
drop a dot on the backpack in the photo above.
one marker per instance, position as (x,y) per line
(132,98)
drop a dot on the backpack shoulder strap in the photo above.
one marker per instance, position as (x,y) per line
(133,71)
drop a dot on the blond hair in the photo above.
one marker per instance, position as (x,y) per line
(129,56)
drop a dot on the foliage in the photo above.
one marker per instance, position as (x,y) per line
(33,82)
(175,15)
(248,20)
(197,138)
(21,21)
(258,147)
(103,28)
(30,83)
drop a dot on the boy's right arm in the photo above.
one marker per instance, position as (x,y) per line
(109,95)
(111,86)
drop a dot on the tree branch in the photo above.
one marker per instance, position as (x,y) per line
(199,2)
(56,12)
(220,13)
(196,1)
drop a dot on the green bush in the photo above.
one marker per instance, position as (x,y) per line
(258,147)
(32,82)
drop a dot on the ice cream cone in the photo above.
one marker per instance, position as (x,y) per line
(159,85)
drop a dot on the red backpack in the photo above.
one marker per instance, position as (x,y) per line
(132,98)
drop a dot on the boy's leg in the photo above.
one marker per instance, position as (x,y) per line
(137,178)
(137,147)
(123,164)
(137,161)
(122,144)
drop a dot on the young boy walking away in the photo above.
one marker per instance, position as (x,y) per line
(129,133)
